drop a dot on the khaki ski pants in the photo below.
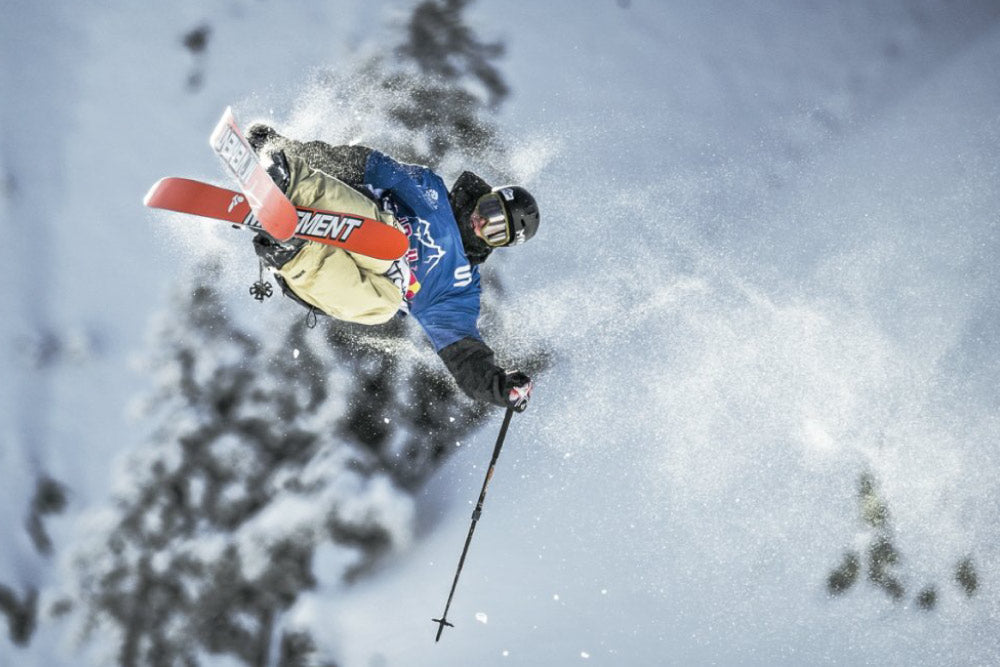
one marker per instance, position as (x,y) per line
(342,284)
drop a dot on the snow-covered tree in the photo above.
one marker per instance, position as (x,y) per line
(429,100)
(881,561)
(442,74)
(215,525)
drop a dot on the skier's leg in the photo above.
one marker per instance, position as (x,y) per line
(344,285)
(316,189)
(348,287)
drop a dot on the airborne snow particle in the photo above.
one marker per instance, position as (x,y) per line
(584,655)
(482,617)
(295,353)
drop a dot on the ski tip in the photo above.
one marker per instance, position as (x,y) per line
(152,192)
(227,121)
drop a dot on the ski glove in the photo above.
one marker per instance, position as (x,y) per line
(517,387)
(273,253)
(470,361)
(345,163)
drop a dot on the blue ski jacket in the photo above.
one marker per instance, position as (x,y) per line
(447,302)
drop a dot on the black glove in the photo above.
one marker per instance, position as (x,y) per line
(273,253)
(517,387)
(277,168)
(259,134)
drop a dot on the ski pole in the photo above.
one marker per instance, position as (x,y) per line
(476,513)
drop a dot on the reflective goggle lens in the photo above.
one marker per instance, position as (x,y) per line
(496,231)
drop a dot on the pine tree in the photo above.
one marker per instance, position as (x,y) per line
(215,534)
(884,559)
(430,102)
(440,102)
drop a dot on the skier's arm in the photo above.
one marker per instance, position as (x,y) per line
(345,163)
(471,363)
(409,183)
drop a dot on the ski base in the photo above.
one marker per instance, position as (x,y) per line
(364,236)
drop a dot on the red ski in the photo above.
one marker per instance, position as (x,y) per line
(365,236)
(266,199)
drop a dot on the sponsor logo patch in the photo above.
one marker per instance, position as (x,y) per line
(432,198)
(431,252)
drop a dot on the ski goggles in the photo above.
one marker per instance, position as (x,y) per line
(496,228)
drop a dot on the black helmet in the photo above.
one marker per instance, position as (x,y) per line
(509,215)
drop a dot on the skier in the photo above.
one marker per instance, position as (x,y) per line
(437,281)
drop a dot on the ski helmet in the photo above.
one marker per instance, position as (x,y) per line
(509,214)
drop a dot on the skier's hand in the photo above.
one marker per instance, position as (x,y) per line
(517,387)
(259,134)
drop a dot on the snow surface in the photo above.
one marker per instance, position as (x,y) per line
(768,265)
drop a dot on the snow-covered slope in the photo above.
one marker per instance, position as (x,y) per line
(768,266)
